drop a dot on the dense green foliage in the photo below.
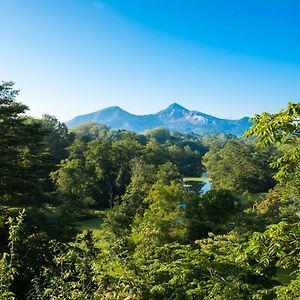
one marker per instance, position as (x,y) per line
(21,149)
(159,239)
(240,166)
(100,166)
(283,129)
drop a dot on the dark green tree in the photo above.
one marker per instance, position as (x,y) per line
(240,167)
(58,138)
(160,135)
(22,155)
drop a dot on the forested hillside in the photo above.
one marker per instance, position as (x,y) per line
(157,234)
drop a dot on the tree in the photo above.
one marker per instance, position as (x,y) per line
(74,179)
(90,130)
(9,261)
(167,218)
(55,142)
(279,243)
(218,208)
(97,172)
(160,135)
(57,139)
(21,149)
(282,129)
(188,161)
(240,167)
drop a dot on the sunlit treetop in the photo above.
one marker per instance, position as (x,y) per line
(282,128)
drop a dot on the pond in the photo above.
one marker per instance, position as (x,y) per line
(207,184)
(206,187)
(200,185)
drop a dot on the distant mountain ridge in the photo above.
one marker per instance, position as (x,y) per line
(175,117)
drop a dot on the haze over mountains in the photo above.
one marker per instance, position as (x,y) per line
(175,118)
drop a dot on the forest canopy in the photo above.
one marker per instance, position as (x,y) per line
(158,235)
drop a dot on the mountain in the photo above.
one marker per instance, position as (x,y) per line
(175,117)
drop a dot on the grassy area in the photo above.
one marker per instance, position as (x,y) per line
(93,224)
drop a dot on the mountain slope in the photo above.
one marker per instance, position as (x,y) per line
(175,117)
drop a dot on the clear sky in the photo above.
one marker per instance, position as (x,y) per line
(228,58)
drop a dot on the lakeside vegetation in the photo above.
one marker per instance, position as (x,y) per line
(95,213)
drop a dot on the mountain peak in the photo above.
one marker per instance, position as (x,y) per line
(114,108)
(176,106)
(174,117)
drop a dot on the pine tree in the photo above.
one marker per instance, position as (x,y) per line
(21,141)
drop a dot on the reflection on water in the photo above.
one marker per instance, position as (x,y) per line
(206,187)
(198,185)
(207,184)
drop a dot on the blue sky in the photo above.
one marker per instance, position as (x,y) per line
(228,58)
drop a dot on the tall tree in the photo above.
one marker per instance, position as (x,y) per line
(282,129)
(21,149)
(240,167)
